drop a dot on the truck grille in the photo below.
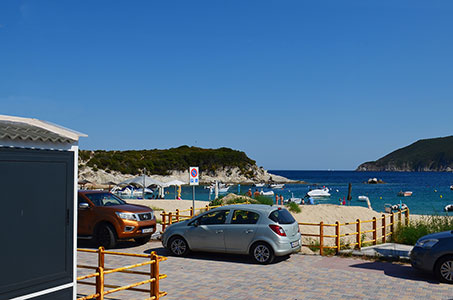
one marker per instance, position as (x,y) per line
(145,216)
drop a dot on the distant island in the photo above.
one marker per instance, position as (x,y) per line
(428,155)
(223,164)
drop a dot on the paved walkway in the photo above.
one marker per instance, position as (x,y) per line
(206,276)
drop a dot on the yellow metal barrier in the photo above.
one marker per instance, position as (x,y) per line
(385,233)
(175,217)
(101,271)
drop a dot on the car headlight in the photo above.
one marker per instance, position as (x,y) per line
(427,244)
(127,216)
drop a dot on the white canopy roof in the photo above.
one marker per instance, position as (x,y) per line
(139,181)
(175,182)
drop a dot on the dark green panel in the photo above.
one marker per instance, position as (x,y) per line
(36,196)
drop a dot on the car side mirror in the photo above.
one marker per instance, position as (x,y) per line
(195,223)
(84,205)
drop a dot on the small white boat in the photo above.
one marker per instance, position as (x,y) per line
(404,194)
(363,198)
(268,193)
(451,187)
(277,186)
(260,184)
(324,192)
(224,190)
(449,207)
(293,199)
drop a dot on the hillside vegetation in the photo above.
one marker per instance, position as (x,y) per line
(163,161)
(424,155)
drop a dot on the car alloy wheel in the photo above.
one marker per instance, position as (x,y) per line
(178,246)
(263,254)
(446,271)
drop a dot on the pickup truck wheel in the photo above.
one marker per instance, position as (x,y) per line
(142,240)
(106,237)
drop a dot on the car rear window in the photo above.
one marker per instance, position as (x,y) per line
(281,216)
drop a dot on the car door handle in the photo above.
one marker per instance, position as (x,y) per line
(249,231)
(218,231)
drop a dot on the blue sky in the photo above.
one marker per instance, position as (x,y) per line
(295,84)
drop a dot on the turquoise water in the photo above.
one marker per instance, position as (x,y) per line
(431,190)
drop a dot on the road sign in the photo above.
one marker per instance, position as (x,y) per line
(194,176)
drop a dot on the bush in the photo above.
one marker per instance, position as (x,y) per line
(416,229)
(264,200)
(293,207)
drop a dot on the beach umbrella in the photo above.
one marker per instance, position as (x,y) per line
(176,183)
(110,183)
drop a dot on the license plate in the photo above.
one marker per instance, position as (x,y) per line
(294,244)
(147,230)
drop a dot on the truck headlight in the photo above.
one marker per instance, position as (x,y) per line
(427,244)
(127,216)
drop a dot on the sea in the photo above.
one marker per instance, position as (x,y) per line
(430,190)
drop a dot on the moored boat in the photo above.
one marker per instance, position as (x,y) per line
(277,186)
(268,193)
(449,207)
(324,192)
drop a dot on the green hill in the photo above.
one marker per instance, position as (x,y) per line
(163,161)
(424,155)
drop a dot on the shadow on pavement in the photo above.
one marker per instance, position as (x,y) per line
(226,257)
(398,271)
(90,244)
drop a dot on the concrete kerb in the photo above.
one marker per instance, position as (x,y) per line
(390,251)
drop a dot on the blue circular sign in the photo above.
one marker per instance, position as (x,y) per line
(194,173)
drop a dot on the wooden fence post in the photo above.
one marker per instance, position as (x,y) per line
(163,221)
(321,238)
(101,257)
(207,207)
(100,283)
(337,233)
(154,274)
(383,229)
(359,236)
(177,215)
(407,216)
(399,217)
(170,218)
(392,223)
(191,211)
(374,231)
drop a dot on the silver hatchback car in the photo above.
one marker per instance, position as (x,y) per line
(263,231)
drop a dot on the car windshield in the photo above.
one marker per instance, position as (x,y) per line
(104,199)
(281,216)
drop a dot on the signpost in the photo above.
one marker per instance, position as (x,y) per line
(194,180)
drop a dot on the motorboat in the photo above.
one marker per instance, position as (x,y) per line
(259,184)
(268,193)
(293,199)
(224,190)
(319,193)
(404,194)
(277,186)
(449,207)
(451,187)
(389,208)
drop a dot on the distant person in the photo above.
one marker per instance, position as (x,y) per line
(276,198)
(256,194)
(341,202)
(281,199)
(344,201)
(249,193)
